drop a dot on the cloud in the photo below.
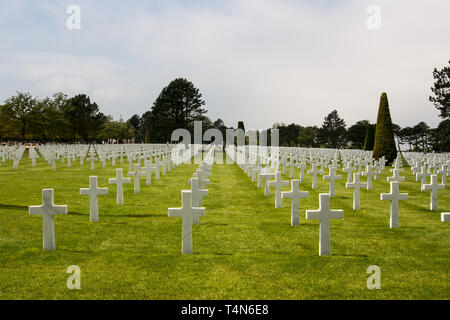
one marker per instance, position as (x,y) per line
(259,61)
(48,73)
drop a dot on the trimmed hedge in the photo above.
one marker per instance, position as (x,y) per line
(384,133)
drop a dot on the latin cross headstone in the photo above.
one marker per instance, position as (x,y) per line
(349,169)
(291,168)
(156,167)
(434,186)
(356,185)
(93,191)
(422,175)
(445,216)
(331,177)
(148,172)
(444,170)
(394,196)
(197,196)
(314,172)
(432,168)
(53,160)
(267,176)
(136,174)
(302,168)
(48,209)
(255,172)
(369,173)
(324,215)
(187,213)
(119,180)
(92,158)
(396,176)
(278,184)
(295,194)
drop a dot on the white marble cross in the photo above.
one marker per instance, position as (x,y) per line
(266,176)
(48,209)
(93,191)
(53,162)
(197,196)
(155,167)
(291,168)
(331,177)
(444,170)
(314,171)
(119,180)
(302,167)
(278,184)
(92,158)
(349,169)
(422,175)
(130,163)
(394,196)
(334,164)
(356,185)
(432,168)
(148,172)
(324,215)
(202,176)
(434,186)
(369,173)
(396,176)
(260,177)
(255,172)
(445,217)
(158,164)
(136,174)
(295,194)
(187,213)
(376,168)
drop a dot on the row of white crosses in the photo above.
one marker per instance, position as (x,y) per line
(371,171)
(48,209)
(431,165)
(324,214)
(436,164)
(191,202)
(113,152)
(394,196)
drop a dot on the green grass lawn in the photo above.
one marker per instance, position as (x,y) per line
(244,248)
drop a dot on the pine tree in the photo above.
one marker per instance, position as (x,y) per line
(333,131)
(384,133)
(177,106)
(441,90)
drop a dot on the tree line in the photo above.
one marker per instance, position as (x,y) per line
(58,119)
(335,134)
(362,135)
(71,119)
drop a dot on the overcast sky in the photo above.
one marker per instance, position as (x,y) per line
(260,61)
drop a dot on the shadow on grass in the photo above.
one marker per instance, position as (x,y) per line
(78,213)
(12,207)
(120,215)
(75,251)
(350,255)
(212,253)
(133,215)
(215,224)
